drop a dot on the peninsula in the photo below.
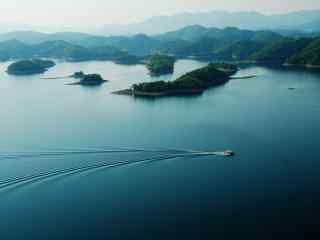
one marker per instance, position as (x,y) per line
(192,83)
(26,67)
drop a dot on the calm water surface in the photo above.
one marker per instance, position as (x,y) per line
(272,185)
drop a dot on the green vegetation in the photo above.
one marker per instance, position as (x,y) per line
(239,51)
(88,79)
(79,75)
(92,78)
(309,56)
(160,64)
(228,44)
(193,82)
(60,50)
(26,67)
(280,50)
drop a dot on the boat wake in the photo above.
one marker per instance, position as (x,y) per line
(165,154)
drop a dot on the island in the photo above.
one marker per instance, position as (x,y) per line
(160,64)
(192,83)
(26,67)
(88,79)
(78,75)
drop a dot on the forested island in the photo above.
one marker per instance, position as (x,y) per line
(88,79)
(160,64)
(26,67)
(192,83)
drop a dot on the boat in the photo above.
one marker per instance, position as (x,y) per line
(228,153)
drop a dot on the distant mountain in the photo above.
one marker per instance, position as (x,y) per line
(189,41)
(230,43)
(219,19)
(197,32)
(313,26)
(240,50)
(280,50)
(59,49)
(14,49)
(31,37)
(193,41)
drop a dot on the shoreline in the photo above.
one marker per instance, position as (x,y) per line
(306,66)
(186,92)
(87,83)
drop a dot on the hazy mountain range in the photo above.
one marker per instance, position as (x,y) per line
(304,21)
(307,20)
(181,41)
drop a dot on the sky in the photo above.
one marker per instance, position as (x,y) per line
(76,13)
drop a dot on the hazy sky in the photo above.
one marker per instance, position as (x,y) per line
(99,12)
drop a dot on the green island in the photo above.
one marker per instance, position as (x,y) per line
(78,75)
(26,67)
(192,83)
(160,64)
(88,79)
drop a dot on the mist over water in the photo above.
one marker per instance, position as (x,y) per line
(73,160)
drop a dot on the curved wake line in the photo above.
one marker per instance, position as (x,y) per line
(15,155)
(40,176)
(74,170)
(52,154)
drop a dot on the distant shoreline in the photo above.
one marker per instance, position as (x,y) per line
(306,66)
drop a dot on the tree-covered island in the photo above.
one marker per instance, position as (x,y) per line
(160,64)
(26,67)
(88,79)
(192,83)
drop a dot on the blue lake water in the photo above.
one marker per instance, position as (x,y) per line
(271,185)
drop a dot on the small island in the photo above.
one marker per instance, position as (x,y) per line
(192,83)
(27,67)
(88,79)
(160,64)
(78,75)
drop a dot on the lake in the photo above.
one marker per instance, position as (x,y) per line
(74,189)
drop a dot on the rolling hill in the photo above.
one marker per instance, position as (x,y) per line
(308,56)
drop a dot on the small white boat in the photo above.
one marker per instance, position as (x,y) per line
(228,153)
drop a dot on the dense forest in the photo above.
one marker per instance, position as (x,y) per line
(193,82)
(160,64)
